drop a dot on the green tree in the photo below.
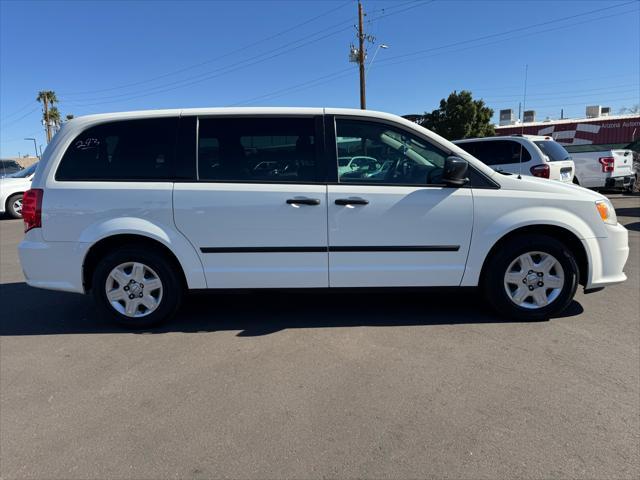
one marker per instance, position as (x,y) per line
(48,99)
(54,118)
(460,116)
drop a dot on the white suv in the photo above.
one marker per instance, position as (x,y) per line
(522,154)
(139,208)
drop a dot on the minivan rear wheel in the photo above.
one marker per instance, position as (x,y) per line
(531,277)
(137,288)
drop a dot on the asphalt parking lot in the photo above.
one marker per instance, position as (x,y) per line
(320,386)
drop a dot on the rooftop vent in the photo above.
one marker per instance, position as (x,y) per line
(529,116)
(507,117)
(595,111)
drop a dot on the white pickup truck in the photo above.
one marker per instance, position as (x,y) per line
(603,169)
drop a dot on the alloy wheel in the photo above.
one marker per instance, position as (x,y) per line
(17,206)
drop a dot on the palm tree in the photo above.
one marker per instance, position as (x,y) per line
(54,118)
(48,99)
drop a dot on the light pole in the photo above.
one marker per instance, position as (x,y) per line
(35,146)
(382,45)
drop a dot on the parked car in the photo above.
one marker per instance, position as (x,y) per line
(612,168)
(12,187)
(8,167)
(138,208)
(522,154)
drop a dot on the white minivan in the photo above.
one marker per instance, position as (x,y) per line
(139,208)
(533,155)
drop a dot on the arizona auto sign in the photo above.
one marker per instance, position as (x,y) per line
(622,130)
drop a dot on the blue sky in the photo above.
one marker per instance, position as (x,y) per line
(102,56)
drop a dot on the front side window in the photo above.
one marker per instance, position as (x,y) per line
(30,170)
(122,151)
(371,152)
(257,150)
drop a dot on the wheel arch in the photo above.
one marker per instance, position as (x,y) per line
(101,248)
(10,196)
(567,237)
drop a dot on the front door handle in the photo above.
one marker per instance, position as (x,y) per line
(303,201)
(351,201)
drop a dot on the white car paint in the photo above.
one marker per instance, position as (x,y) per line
(187,216)
(10,186)
(399,216)
(244,215)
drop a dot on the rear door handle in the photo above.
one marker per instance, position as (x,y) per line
(351,201)
(303,201)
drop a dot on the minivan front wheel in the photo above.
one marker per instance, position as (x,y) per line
(137,288)
(532,277)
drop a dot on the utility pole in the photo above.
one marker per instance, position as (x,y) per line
(361,57)
(35,146)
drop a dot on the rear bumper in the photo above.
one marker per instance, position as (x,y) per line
(620,182)
(608,257)
(52,265)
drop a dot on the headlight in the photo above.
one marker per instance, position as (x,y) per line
(607,212)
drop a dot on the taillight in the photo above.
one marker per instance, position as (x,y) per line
(607,164)
(541,171)
(32,208)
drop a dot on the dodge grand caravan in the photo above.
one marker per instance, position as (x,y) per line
(138,208)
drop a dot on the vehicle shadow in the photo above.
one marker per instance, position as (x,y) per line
(628,212)
(252,314)
(635,226)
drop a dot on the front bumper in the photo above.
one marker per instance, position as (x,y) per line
(52,265)
(607,257)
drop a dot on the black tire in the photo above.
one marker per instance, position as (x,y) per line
(10,209)
(496,267)
(172,287)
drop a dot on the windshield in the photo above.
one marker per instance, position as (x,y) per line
(24,173)
(553,150)
(8,166)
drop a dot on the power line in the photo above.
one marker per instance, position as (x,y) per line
(465,41)
(385,61)
(550,96)
(220,57)
(25,106)
(20,118)
(498,41)
(200,80)
(299,87)
(506,32)
(417,4)
(210,74)
(581,79)
(233,67)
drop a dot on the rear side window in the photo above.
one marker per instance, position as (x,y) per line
(261,149)
(497,152)
(553,150)
(122,151)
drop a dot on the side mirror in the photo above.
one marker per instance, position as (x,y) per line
(455,171)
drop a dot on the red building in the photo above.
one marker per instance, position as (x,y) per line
(587,134)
